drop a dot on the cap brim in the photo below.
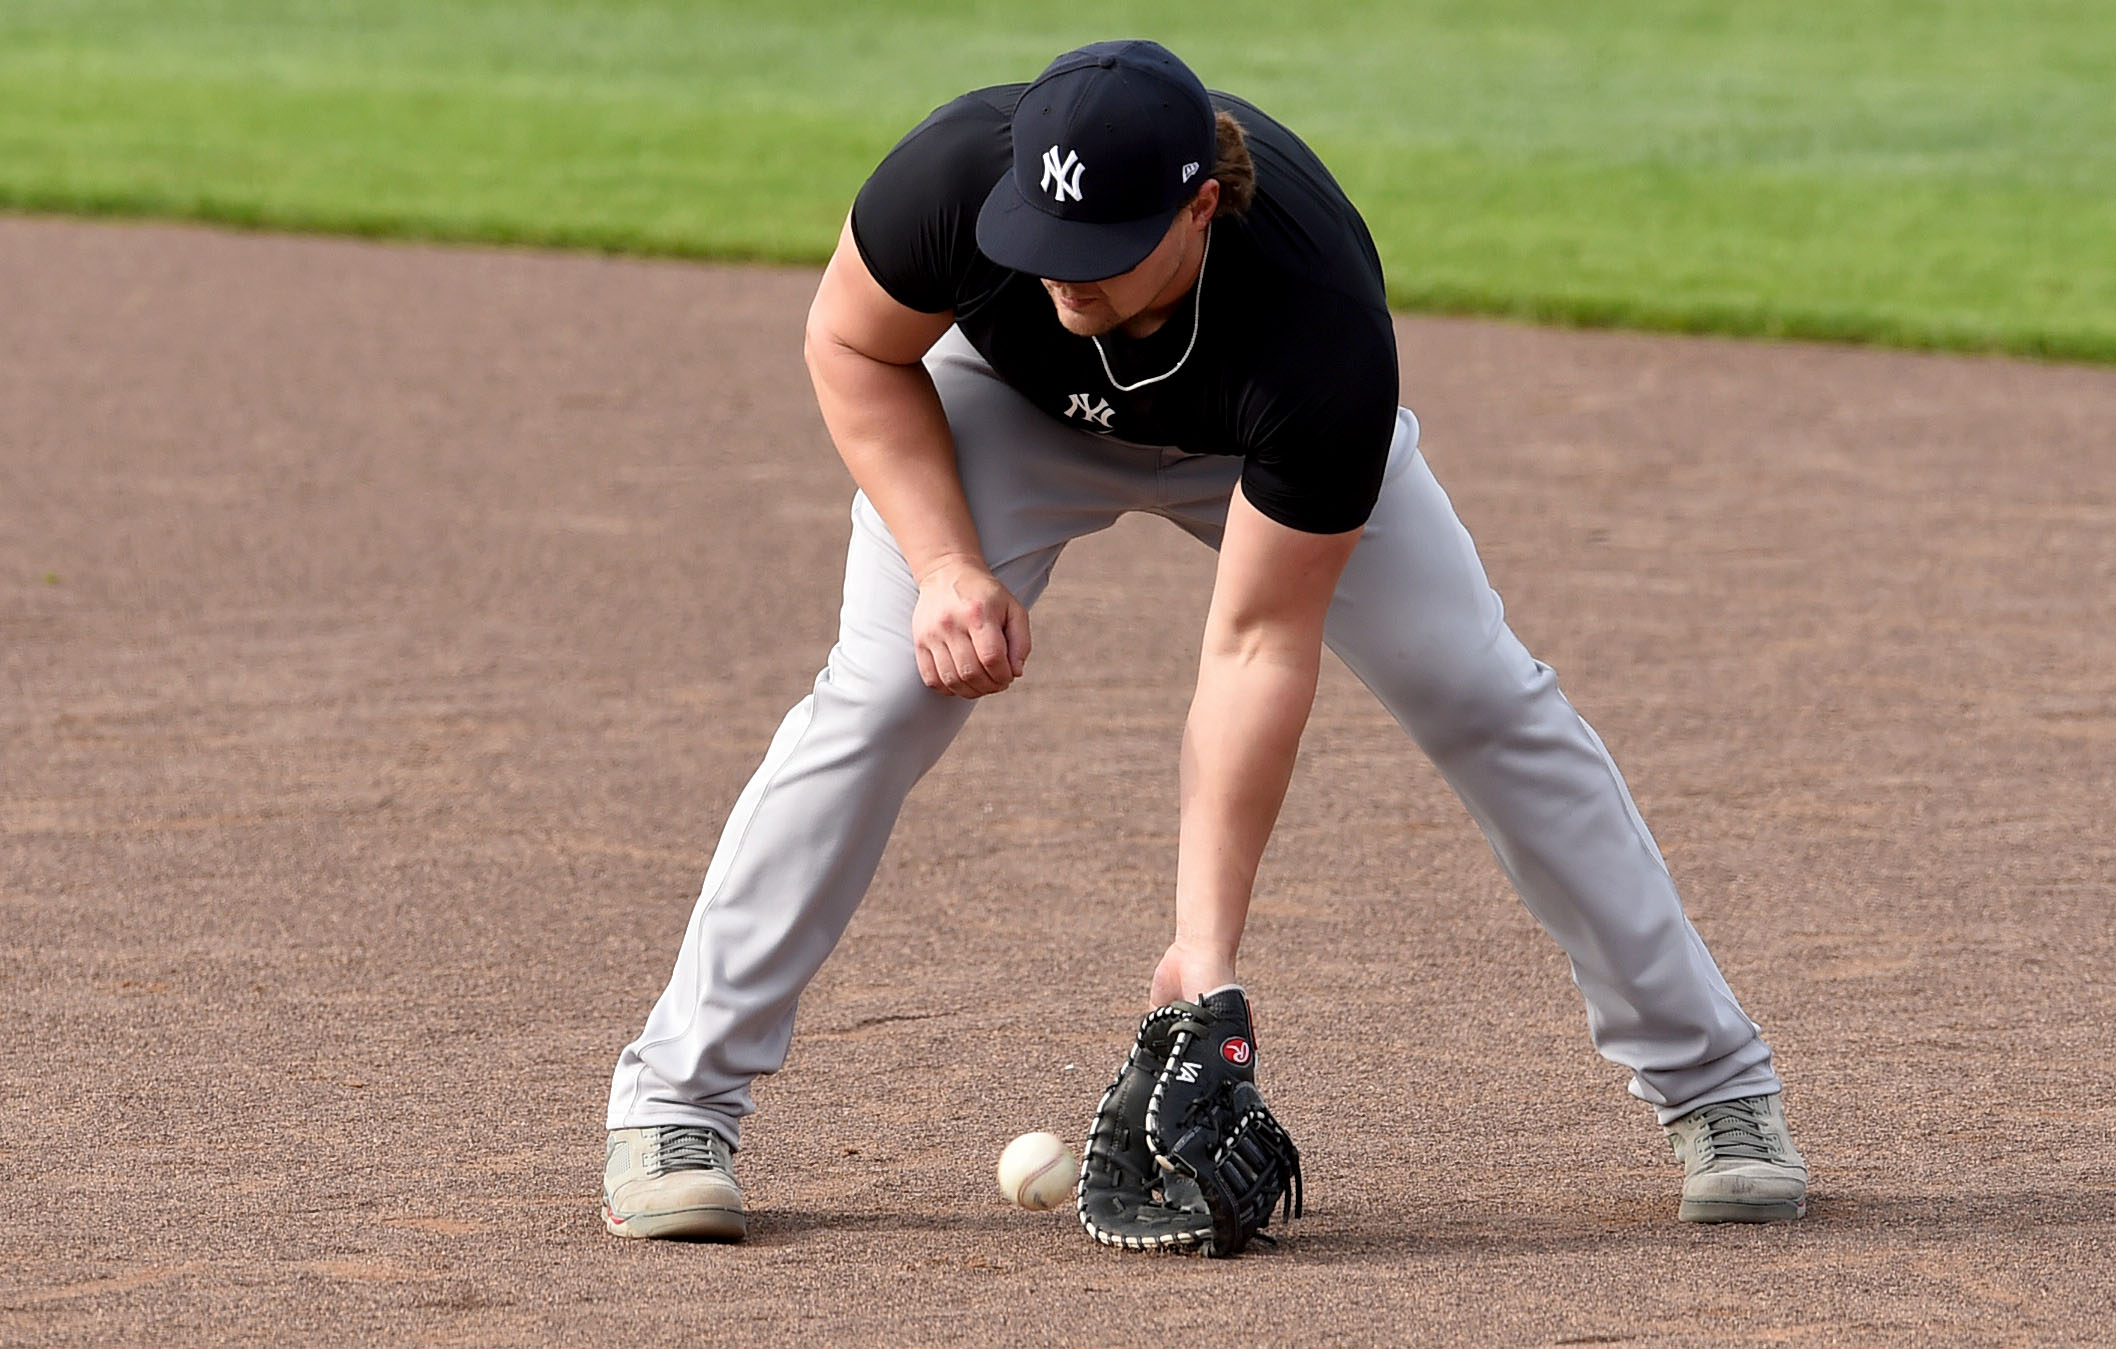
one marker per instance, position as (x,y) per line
(1013,232)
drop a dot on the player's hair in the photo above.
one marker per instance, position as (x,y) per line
(1232,167)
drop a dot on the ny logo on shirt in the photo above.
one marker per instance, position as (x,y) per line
(1095,411)
(1061,177)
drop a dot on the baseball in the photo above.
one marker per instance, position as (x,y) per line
(1037,1171)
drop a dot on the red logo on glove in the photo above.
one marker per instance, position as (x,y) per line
(1236,1051)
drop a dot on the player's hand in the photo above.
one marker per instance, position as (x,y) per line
(1187,973)
(970,633)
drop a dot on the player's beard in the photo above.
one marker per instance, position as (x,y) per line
(1098,319)
(1150,288)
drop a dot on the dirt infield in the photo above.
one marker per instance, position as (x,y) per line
(385,630)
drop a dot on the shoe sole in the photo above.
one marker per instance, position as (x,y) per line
(1723,1211)
(692,1224)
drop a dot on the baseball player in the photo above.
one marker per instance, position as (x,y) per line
(1110,291)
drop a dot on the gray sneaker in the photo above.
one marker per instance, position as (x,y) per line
(1739,1163)
(671,1180)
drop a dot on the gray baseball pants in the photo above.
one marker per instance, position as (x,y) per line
(1414,618)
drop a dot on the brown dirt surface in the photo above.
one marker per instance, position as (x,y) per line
(384,631)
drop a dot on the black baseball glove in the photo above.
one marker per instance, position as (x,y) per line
(1182,1154)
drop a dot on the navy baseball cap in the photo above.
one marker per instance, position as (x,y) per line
(1109,143)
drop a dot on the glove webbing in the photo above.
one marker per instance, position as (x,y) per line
(1252,1168)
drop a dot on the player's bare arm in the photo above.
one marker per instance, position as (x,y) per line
(864,350)
(1256,683)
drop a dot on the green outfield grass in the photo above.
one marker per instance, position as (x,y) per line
(1934,173)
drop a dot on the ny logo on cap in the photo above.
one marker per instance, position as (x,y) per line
(1061,178)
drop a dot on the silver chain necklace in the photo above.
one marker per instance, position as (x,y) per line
(1197,312)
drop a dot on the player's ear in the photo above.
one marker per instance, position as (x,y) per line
(1205,205)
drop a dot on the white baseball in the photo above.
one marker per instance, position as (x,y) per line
(1037,1171)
